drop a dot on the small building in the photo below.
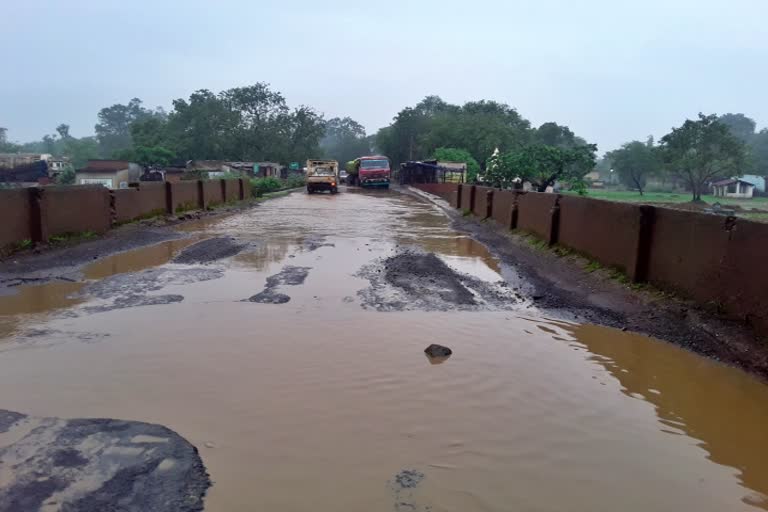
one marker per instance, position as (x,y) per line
(208,166)
(265,169)
(757,181)
(734,187)
(110,173)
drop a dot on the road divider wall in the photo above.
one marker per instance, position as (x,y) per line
(17,211)
(504,208)
(712,259)
(213,193)
(185,195)
(467,198)
(447,191)
(231,190)
(74,209)
(38,213)
(611,233)
(483,202)
(537,214)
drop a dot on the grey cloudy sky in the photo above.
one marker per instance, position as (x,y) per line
(612,70)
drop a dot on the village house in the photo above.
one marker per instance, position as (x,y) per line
(265,169)
(109,173)
(734,187)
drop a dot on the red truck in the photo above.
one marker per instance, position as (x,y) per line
(369,171)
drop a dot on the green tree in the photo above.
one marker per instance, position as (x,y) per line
(741,126)
(634,162)
(459,155)
(542,166)
(7,146)
(305,128)
(344,140)
(759,149)
(552,134)
(113,130)
(701,150)
(250,123)
(66,176)
(477,126)
(147,156)
(79,151)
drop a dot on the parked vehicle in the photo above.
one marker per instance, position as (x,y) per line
(343,176)
(322,175)
(369,171)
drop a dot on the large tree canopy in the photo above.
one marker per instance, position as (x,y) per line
(244,123)
(113,130)
(478,127)
(542,166)
(701,150)
(634,162)
(344,140)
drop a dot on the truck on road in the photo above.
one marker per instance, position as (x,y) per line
(369,171)
(322,175)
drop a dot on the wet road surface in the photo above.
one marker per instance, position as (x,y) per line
(324,399)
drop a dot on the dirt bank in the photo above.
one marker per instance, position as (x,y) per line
(564,287)
(90,465)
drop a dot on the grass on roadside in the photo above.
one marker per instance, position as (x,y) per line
(628,196)
(69,238)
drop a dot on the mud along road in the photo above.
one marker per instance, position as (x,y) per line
(273,360)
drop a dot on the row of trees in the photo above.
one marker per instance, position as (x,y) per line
(473,132)
(500,146)
(694,154)
(250,123)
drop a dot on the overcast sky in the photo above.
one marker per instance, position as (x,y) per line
(612,70)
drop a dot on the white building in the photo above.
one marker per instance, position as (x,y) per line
(734,187)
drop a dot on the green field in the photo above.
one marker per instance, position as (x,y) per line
(760,203)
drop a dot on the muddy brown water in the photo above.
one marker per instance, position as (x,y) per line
(319,404)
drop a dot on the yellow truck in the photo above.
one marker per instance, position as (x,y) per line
(322,175)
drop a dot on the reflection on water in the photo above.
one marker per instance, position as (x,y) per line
(316,404)
(30,303)
(137,259)
(35,300)
(723,408)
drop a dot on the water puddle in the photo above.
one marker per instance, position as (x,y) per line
(31,303)
(317,403)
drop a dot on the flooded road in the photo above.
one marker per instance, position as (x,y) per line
(326,402)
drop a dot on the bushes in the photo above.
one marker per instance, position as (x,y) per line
(261,186)
(296,181)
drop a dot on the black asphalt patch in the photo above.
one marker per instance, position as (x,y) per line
(210,250)
(133,289)
(289,276)
(94,465)
(270,297)
(403,489)
(415,280)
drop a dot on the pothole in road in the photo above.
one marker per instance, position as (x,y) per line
(133,289)
(415,280)
(210,250)
(290,276)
